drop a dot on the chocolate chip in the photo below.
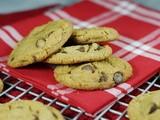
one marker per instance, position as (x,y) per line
(96,46)
(37,112)
(23,61)
(153,108)
(64,33)
(99,47)
(40,43)
(103,77)
(118,77)
(50,33)
(30,108)
(36,117)
(63,51)
(9,107)
(55,115)
(34,58)
(12,59)
(106,32)
(81,49)
(89,68)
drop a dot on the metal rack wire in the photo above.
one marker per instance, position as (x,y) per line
(16,89)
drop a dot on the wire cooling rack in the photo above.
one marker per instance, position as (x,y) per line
(15,89)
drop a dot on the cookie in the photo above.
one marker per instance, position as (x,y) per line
(1,85)
(96,34)
(40,43)
(28,110)
(145,107)
(80,53)
(94,75)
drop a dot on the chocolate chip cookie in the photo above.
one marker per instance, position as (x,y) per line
(1,85)
(94,75)
(96,34)
(28,110)
(40,43)
(145,107)
(80,53)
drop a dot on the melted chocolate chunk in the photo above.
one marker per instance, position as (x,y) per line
(81,49)
(89,68)
(153,108)
(40,43)
(118,77)
(103,77)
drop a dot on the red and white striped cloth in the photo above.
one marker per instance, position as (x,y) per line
(139,44)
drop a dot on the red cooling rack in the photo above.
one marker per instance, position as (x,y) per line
(16,89)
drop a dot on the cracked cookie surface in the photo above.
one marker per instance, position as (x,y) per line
(94,75)
(80,53)
(40,43)
(28,110)
(95,34)
(145,107)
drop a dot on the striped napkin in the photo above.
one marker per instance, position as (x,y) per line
(139,44)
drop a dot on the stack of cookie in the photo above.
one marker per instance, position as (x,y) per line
(85,65)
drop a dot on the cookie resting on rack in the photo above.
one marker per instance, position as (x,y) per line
(80,53)
(94,75)
(40,43)
(28,110)
(145,106)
